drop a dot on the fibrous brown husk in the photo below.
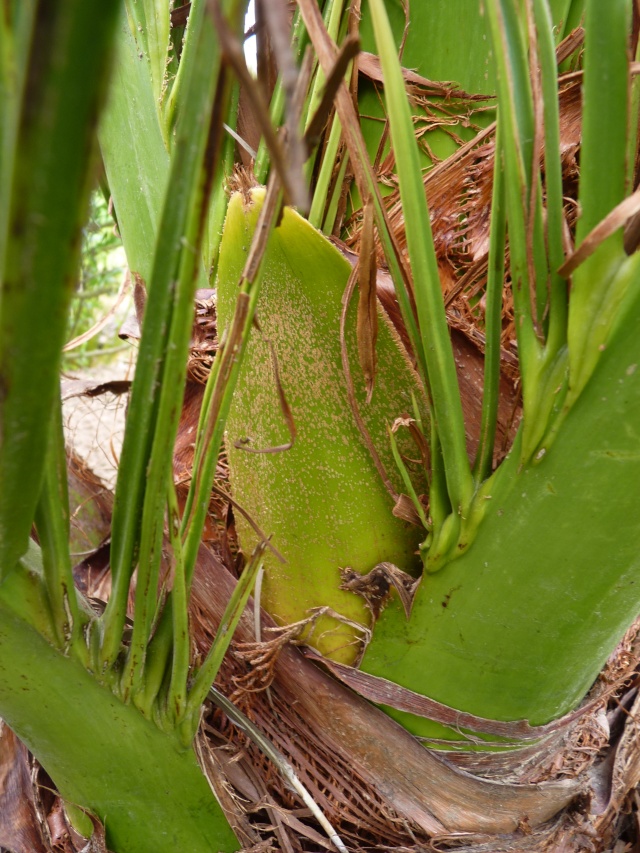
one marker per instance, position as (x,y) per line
(459,193)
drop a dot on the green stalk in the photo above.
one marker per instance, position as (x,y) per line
(16,26)
(329,221)
(574,18)
(537,287)
(493,320)
(319,202)
(219,195)
(52,525)
(520,624)
(406,479)
(147,449)
(558,295)
(333,17)
(42,212)
(516,111)
(103,755)
(443,383)
(594,298)
(208,672)
(181,647)
(156,26)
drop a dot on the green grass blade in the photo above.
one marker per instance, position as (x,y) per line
(574,17)
(138,170)
(602,160)
(529,115)
(443,383)
(15,35)
(156,26)
(516,113)
(148,444)
(47,198)
(52,525)
(206,675)
(602,183)
(558,296)
(493,321)
(181,646)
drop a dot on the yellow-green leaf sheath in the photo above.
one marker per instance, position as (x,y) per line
(323,500)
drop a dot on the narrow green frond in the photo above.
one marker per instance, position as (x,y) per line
(138,520)
(442,379)
(603,171)
(52,526)
(43,206)
(493,319)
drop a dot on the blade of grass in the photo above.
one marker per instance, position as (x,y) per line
(218,204)
(46,206)
(206,675)
(52,525)
(406,479)
(155,33)
(602,187)
(181,647)
(147,447)
(265,745)
(523,107)
(516,112)
(443,383)
(137,172)
(557,326)
(493,319)
(15,34)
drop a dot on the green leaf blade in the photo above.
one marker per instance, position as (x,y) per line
(49,194)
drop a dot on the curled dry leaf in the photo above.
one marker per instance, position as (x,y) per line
(20,830)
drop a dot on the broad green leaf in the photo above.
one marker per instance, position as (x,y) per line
(322,500)
(133,152)
(103,755)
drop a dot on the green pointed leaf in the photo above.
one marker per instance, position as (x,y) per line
(322,500)
(43,207)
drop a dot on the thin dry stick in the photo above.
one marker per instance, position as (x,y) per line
(608,226)
(277,21)
(235,57)
(102,322)
(244,723)
(348,51)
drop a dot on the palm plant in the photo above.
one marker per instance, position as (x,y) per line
(471,590)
